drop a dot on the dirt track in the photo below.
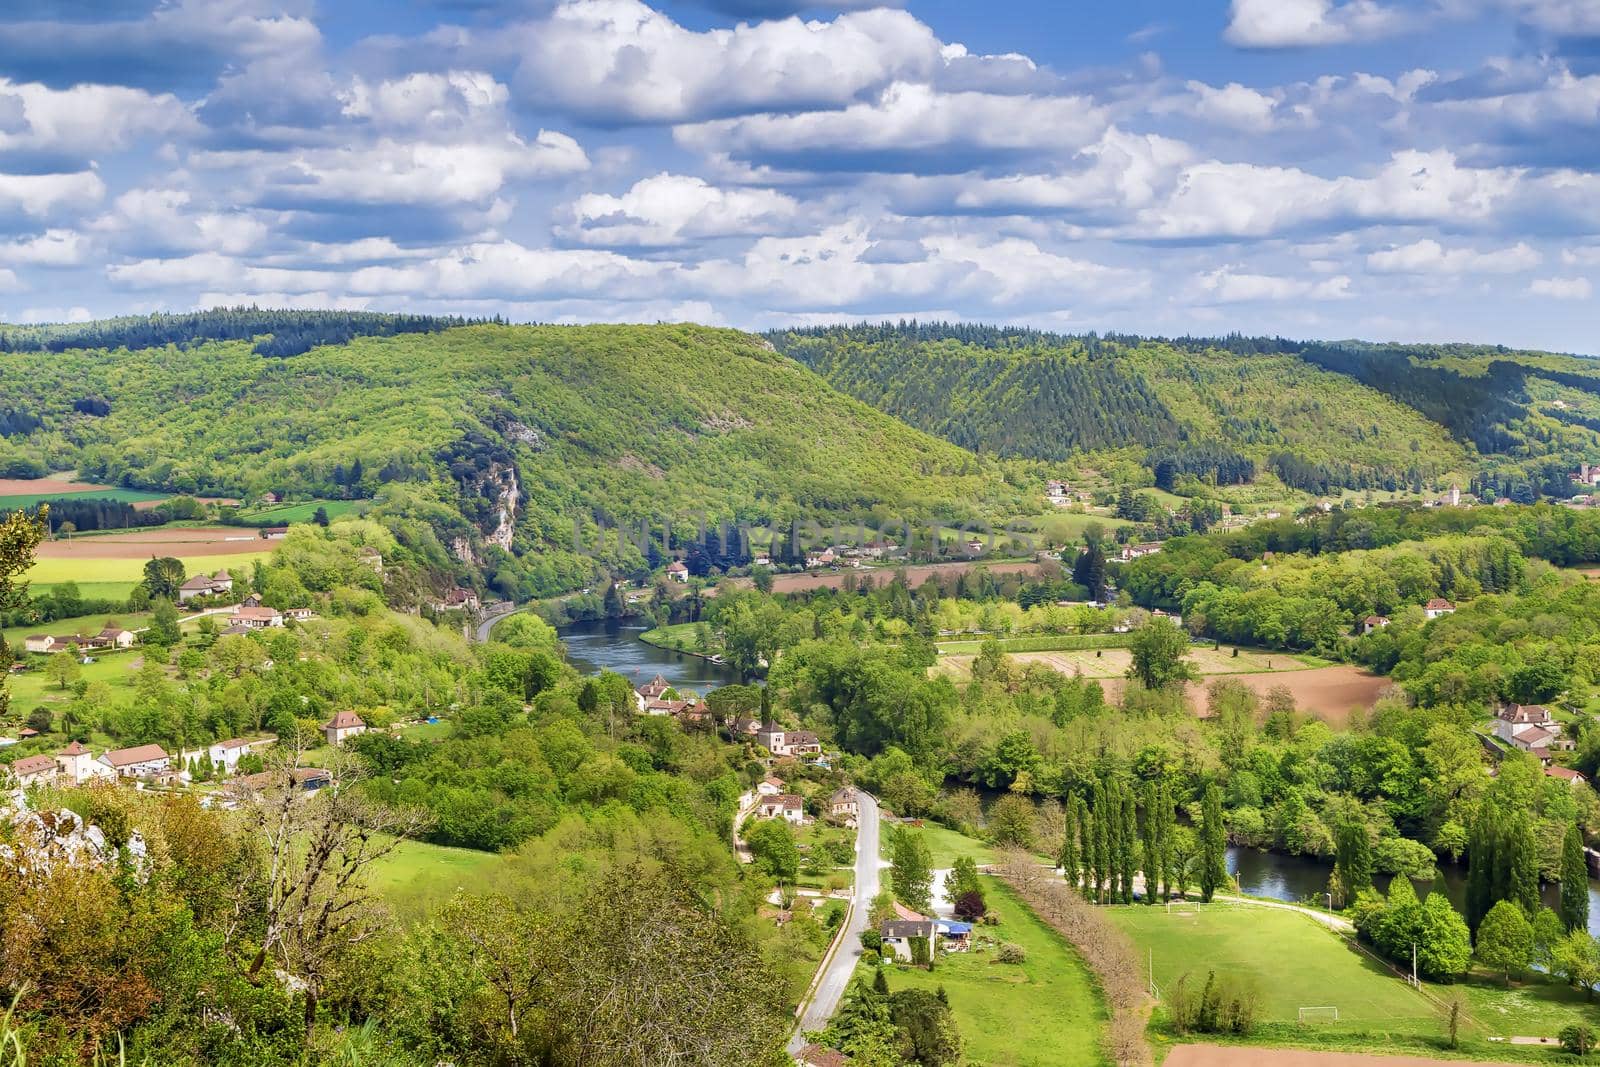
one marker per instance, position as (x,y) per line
(1235,1056)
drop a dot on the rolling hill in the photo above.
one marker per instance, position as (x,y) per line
(601,424)
(1320,416)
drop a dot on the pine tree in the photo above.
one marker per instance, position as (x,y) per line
(1213,844)
(1574,881)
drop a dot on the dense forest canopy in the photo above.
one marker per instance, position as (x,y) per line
(571,427)
(1322,416)
(286,332)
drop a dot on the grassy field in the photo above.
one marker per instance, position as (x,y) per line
(946,844)
(126,573)
(284,514)
(1038,643)
(418,875)
(1296,963)
(12,501)
(89,590)
(1044,1012)
(1066,527)
(81,624)
(679,636)
(1114,662)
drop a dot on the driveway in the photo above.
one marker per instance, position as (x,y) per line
(830,990)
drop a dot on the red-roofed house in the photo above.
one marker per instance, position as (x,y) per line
(344,724)
(77,763)
(1436,607)
(1566,774)
(141,761)
(33,770)
(770,786)
(256,618)
(783,806)
(227,753)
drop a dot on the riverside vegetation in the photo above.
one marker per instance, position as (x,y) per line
(601,871)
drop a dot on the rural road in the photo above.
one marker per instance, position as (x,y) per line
(830,990)
(488,624)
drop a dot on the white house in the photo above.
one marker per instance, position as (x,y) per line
(897,935)
(1436,607)
(344,724)
(227,753)
(256,618)
(769,786)
(1373,622)
(117,637)
(219,584)
(141,761)
(677,571)
(32,770)
(1147,548)
(1529,727)
(77,763)
(845,803)
(46,643)
(784,806)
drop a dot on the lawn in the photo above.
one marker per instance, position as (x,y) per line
(286,514)
(89,572)
(1038,643)
(1295,962)
(89,590)
(946,845)
(1043,1012)
(91,624)
(418,876)
(680,636)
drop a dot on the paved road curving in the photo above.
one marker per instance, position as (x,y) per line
(830,990)
(482,633)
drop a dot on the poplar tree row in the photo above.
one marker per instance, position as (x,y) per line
(1116,835)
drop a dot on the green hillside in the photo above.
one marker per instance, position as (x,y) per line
(1320,416)
(604,424)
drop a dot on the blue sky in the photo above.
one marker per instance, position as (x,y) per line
(1389,169)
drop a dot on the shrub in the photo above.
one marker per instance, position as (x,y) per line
(872,941)
(970,906)
(1577,1039)
(1011,952)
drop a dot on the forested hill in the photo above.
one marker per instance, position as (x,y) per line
(1321,415)
(601,423)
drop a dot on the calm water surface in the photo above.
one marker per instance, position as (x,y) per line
(1298,879)
(614,645)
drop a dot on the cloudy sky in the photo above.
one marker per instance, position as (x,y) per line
(1390,169)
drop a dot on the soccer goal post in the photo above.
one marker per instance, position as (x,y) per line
(1323,1014)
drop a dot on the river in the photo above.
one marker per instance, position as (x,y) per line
(614,645)
(1304,879)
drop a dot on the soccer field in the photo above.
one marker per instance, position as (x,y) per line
(1295,962)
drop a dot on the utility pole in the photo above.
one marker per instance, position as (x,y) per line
(1414,983)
